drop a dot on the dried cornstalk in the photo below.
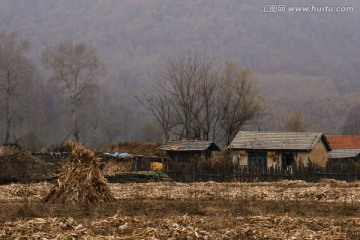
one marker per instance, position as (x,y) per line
(80,180)
(113,167)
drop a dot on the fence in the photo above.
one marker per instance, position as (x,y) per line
(199,172)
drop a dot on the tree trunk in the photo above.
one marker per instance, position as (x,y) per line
(75,128)
(8,120)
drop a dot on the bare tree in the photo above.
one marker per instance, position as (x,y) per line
(75,70)
(296,122)
(161,108)
(239,100)
(195,100)
(15,68)
(183,92)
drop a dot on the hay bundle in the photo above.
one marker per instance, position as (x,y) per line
(66,146)
(23,167)
(115,166)
(138,148)
(7,150)
(80,180)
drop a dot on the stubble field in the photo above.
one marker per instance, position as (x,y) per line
(281,210)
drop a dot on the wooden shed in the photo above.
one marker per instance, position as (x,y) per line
(279,149)
(183,152)
(345,154)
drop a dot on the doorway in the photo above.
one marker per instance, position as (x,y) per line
(288,162)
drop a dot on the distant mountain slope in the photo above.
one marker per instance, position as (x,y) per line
(132,37)
(297,88)
(133,34)
(318,97)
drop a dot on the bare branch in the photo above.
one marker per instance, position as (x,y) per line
(75,69)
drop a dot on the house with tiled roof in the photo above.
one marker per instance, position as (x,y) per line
(344,147)
(279,149)
(344,141)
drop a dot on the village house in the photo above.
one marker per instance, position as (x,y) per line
(342,142)
(183,152)
(345,150)
(279,149)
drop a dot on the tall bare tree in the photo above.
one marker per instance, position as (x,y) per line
(75,70)
(196,100)
(190,82)
(239,99)
(15,68)
(184,89)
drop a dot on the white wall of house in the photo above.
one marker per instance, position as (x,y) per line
(240,158)
(273,159)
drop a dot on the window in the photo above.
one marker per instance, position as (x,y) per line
(257,159)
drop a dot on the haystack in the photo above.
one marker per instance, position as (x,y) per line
(138,148)
(80,180)
(21,166)
(112,167)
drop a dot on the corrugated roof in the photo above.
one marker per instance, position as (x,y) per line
(189,145)
(277,140)
(344,142)
(344,153)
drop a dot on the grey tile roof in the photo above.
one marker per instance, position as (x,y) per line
(344,153)
(277,140)
(189,145)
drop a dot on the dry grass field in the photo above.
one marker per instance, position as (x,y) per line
(280,210)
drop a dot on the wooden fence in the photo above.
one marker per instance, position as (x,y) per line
(231,173)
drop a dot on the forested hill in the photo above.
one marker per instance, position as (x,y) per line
(133,34)
(132,37)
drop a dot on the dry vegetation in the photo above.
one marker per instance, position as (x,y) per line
(21,166)
(112,167)
(281,210)
(137,148)
(83,205)
(80,179)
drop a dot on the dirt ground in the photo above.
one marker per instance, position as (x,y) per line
(282,210)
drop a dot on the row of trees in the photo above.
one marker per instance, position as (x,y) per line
(15,70)
(75,70)
(197,99)
(67,101)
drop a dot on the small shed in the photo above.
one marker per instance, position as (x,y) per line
(344,142)
(345,154)
(185,151)
(279,149)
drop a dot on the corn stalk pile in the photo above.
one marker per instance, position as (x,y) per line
(112,166)
(137,148)
(80,180)
(21,192)
(183,227)
(6,150)
(23,167)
